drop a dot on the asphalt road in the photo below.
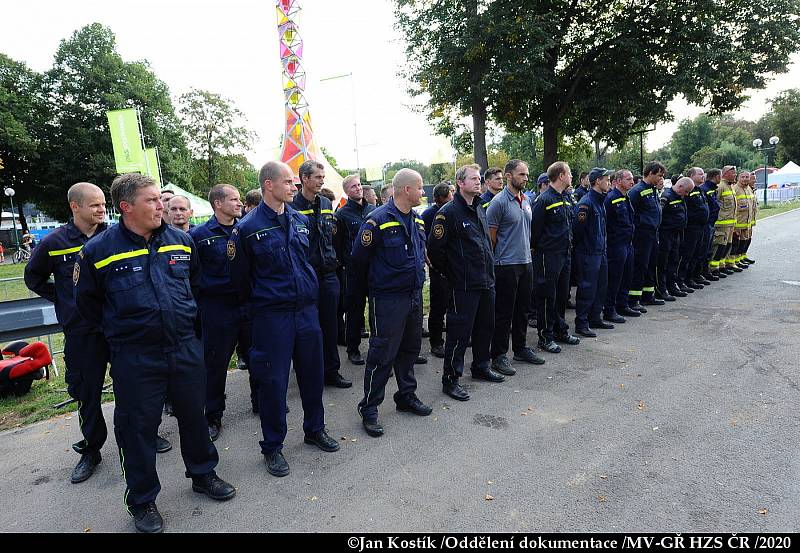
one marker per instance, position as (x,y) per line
(683,420)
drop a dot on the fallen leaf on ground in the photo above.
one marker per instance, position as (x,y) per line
(524,414)
(516,391)
(354,440)
(489,497)
(531,408)
(733,422)
(762,511)
(601,498)
(622,385)
(490,482)
(313,498)
(641,405)
(343,438)
(604,476)
(87,530)
(655,428)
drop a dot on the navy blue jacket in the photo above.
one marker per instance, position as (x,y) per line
(646,208)
(211,240)
(673,211)
(589,226)
(349,219)
(619,219)
(427,217)
(551,223)
(459,246)
(580,192)
(140,292)
(696,209)
(269,263)
(486,198)
(321,253)
(386,260)
(709,190)
(55,255)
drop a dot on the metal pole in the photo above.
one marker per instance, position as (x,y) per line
(641,153)
(14,221)
(355,119)
(766,180)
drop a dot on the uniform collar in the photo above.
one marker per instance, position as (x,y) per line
(73,232)
(357,205)
(302,200)
(213,223)
(461,200)
(138,238)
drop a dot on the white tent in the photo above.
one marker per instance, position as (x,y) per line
(789,174)
(202,209)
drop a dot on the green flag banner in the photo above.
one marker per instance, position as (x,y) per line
(151,165)
(127,142)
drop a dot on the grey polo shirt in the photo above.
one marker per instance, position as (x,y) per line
(512,220)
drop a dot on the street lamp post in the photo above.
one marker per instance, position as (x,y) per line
(766,149)
(641,133)
(10,193)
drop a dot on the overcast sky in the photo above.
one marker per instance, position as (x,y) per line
(231,48)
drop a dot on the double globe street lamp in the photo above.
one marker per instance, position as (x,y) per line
(766,149)
(10,193)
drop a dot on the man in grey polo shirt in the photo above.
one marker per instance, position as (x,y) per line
(509,219)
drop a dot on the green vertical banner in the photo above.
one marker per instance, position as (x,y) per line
(151,165)
(127,142)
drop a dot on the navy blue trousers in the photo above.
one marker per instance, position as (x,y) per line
(395,326)
(669,244)
(551,277)
(327,306)
(282,339)
(225,323)
(592,274)
(645,254)
(620,272)
(143,378)
(439,292)
(691,244)
(354,305)
(86,357)
(470,316)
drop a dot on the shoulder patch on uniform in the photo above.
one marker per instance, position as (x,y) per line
(438,231)
(81,254)
(366,237)
(235,231)
(76,274)
(582,215)
(372,222)
(231,250)
(440,217)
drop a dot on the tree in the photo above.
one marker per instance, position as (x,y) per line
(213,130)
(606,68)
(784,122)
(89,78)
(230,169)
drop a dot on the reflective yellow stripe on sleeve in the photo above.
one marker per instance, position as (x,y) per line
(726,193)
(675,202)
(118,257)
(618,200)
(325,211)
(420,221)
(53,253)
(646,192)
(553,206)
(175,248)
(389,224)
(306,212)
(725,222)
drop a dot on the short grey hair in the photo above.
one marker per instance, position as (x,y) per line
(126,187)
(684,183)
(620,174)
(176,196)
(271,171)
(405,177)
(78,191)
(307,169)
(461,174)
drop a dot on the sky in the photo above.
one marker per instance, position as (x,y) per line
(231,48)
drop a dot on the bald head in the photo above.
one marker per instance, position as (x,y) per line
(277,184)
(407,185)
(79,191)
(683,186)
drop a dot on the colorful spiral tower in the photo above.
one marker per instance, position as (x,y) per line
(298,139)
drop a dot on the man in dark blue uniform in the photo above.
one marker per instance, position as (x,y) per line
(643,197)
(135,281)
(709,190)
(388,261)
(439,291)
(349,219)
(696,221)
(85,349)
(269,263)
(460,248)
(493,177)
(589,235)
(225,321)
(673,221)
(322,257)
(551,240)
(584,185)
(619,238)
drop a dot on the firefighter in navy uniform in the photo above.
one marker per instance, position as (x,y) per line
(136,280)
(619,238)
(268,251)
(439,291)
(673,222)
(349,219)
(388,261)
(591,263)
(693,235)
(459,247)
(85,350)
(643,197)
(322,257)
(225,321)
(551,241)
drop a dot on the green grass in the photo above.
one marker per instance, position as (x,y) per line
(16,289)
(777,208)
